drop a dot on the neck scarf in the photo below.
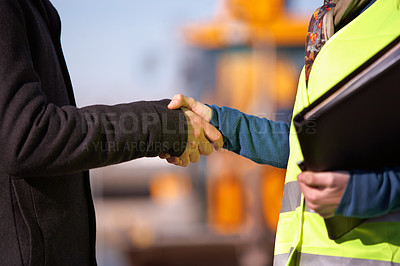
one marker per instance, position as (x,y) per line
(333,14)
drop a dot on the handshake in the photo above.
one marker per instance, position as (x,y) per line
(202,136)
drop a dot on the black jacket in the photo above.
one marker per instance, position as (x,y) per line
(47,144)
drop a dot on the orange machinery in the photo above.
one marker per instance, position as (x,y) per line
(255,80)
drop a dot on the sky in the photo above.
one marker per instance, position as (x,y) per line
(129,50)
(125,50)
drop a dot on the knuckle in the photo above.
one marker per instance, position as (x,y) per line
(192,145)
(197,134)
(218,145)
(312,197)
(310,179)
(331,182)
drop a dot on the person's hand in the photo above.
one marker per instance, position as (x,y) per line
(323,191)
(200,133)
(198,115)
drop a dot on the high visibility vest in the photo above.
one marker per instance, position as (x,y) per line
(302,237)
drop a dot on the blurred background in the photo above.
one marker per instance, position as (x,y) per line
(246,54)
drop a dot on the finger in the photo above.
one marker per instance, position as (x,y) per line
(213,135)
(164,155)
(306,190)
(194,156)
(205,147)
(315,179)
(192,146)
(174,160)
(180,100)
(185,161)
(184,158)
(311,194)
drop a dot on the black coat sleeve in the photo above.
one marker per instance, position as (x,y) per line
(40,138)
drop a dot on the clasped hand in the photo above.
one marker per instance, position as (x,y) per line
(202,136)
(323,191)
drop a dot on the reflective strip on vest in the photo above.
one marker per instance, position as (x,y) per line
(312,259)
(292,196)
(281,259)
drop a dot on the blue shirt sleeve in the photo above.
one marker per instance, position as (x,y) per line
(371,194)
(258,139)
(368,194)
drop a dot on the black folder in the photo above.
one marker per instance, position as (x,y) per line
(355,124)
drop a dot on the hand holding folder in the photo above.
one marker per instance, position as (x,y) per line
(355,125)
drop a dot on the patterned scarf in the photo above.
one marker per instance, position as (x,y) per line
(333,14)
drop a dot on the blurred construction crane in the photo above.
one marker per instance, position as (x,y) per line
(256,47)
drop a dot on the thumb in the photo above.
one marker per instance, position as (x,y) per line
(313,179)
(177,101)
(196,107)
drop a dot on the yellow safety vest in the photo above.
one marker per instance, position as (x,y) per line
(302,237)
